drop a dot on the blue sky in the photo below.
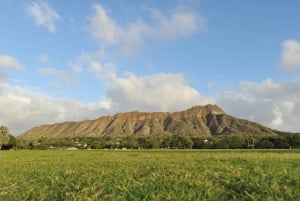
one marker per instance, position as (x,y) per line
(75,60)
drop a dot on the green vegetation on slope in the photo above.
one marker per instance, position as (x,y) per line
(150,175)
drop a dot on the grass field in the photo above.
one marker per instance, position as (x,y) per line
(150,175)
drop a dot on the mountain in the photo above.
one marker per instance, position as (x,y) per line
(197,121)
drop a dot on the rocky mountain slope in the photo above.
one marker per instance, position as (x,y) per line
(197,121)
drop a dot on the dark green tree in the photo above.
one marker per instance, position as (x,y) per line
(187,143)
(4,136)
(166,142)
(155,142)
(131,142)
(280,143)
(180,142)
(144,142)
(236,142)
(221,144)
(175,142)
(11,144)
(264,144)
(21,144)
(295,141)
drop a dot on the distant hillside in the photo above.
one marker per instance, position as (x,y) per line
(197,121)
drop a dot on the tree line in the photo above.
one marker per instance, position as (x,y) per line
(165,142)
(291,141)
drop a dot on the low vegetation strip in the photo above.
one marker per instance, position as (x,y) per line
(150,175)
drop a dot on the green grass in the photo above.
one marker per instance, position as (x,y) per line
(150,175)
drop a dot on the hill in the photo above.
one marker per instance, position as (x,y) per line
(197,121)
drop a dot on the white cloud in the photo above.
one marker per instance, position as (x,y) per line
(102,26)
(44,58)
(23,109)
(277,121)
(63,77)
(47,71)
(43,14)
(275,104)
(290,55)
(179,24)
(105,72)
(130,38)
(158,92)
(76,69)
(8,62)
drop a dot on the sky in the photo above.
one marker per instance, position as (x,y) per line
(75,60)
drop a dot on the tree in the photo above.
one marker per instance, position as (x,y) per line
(295,141)
(280,143)
(11,144)
(203,143)
(21,144)
(187,143)
(144,142)
(221,144)
(131,142)
(180,142)
(264,144)
(155,142)
(166,142)
(175,142)
(236,142)
(4,136)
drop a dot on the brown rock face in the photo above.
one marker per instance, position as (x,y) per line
(197,121)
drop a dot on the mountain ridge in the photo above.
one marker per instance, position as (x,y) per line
(205,120)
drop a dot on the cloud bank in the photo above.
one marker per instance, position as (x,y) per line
(271,103)
(275,104)
(24,108)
